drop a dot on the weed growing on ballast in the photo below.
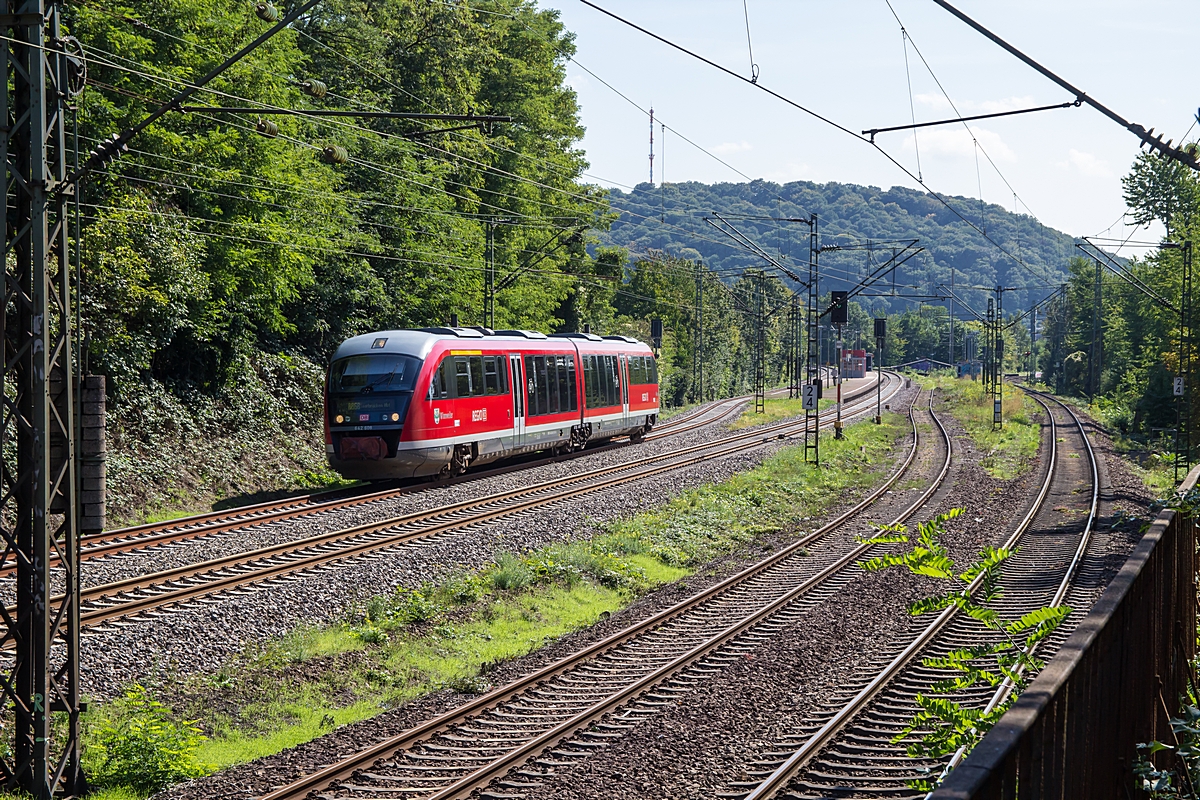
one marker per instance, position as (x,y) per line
(946,726)
(138,744)
(454,633)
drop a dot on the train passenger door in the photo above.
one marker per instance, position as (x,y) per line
(623,377)
(517,385)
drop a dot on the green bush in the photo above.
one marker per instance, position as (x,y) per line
(510,573)
(139,745)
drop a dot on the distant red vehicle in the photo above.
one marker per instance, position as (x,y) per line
(436,401)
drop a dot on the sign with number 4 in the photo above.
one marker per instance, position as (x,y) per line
(808,395)
(1179,387)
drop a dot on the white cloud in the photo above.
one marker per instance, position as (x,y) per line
(1007,104)
(725,148)
(969,108)
(932,100)
(789,172)
(1087,164)
(578,81)
(957,142)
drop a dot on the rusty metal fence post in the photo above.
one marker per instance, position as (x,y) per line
(1074,732)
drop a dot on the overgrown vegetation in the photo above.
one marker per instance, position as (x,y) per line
(1009,451)
(1181,777)
(135,743)
(944,724)
(777,409)
(453,633)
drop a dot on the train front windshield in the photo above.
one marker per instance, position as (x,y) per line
(371,389)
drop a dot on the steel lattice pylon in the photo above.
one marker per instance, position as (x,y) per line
(37,427)
(812,370)
(760,344)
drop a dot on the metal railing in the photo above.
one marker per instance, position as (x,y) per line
(1074,732)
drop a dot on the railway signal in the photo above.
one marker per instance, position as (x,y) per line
(839,312)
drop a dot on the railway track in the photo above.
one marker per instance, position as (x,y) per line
(137,537)
(124,540)
(516,736)
(146,594)
(847,749)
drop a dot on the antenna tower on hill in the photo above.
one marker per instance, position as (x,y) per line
(651,146)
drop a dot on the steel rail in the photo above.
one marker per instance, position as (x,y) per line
(388,748)
(1006,686)
(263,564)
(138,537)
(782,775)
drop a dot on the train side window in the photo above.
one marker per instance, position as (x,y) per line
(642,371)
(477,385)
(589,381)
(618,379)
(601,394)
(491,381)
(530,387)
(564,391)
(653,369)
(606,380)
(543,394)
(572,393)
(553,388)
(462,376)
(441,382)
(601,381)
(502,374)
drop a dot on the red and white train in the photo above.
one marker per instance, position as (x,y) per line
(435,401)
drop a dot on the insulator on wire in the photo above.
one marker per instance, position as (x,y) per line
(335,154)
(267,127)
(314,88)
(267,12)
(108,150)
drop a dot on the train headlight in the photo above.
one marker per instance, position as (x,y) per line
(339,419)
(395,417)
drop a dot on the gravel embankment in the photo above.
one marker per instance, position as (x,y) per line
(252,779)
(704,742)
(201,636)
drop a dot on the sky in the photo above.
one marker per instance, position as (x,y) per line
(845,60)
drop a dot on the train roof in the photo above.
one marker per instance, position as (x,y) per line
(420,341)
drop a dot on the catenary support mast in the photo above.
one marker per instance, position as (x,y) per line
(38,515)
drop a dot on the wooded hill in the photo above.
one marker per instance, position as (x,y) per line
(670,218)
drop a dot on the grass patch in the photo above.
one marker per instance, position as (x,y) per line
(452,634)
(1009,451)
(777,409)
(667,412)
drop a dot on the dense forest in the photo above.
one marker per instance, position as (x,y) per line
(671,218)
(222,266)
(1125,350)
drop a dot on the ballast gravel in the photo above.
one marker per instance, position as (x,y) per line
(201,636)
(257,778)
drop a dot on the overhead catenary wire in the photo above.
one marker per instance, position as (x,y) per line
(416,176)
(911,106)
(749,45)
(957,113)
(821,118)
(486,142)
(552,188)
